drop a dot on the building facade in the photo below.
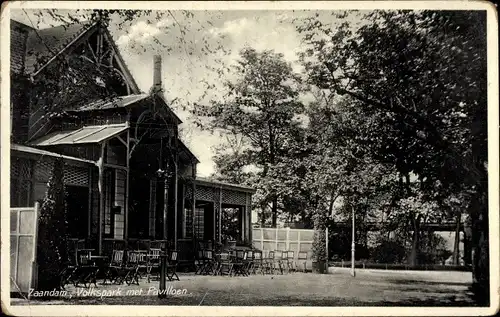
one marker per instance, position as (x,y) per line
(127,173)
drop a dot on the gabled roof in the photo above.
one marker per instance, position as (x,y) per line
(185,150)
(44,45)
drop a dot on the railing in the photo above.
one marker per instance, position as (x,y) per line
(392,266)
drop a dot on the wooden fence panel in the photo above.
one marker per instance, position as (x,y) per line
(23,237)
(283,239)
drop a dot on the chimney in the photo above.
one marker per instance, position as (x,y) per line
(157,74)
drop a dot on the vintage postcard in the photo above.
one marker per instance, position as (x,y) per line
(249,158)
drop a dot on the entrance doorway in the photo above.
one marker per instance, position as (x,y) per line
(77,201)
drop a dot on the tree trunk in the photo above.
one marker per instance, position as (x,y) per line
(480,252)
(274,212)
(456,248)
(414,254)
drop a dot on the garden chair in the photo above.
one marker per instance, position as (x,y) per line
(210,263)
(290,261)
(171,269)
(115,271)
(199,262)
(240,263)
(279,258)
(269,262)
(153,262)
(67,275)
(249,267)
(85,270)
(225,264)
(257,262)
(135,262)
(302,260)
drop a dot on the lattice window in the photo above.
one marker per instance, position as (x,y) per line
(21,184)
(76,176)
(233,197)
(205,193)
(43,170)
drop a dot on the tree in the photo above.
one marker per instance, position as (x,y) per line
(260,106)
(409,72)
(52,249)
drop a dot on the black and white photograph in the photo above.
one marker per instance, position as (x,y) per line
(253,158)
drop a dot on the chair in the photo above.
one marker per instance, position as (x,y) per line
(278,261)
(67,275)
(240,264)
(171,269)
(153,262)
(290,261)
(136,261)
(225,262)
(257,262)
(210,264)
(115,269)
(302,259)
(249,261)
(199,262)
(85,269)
(269,262)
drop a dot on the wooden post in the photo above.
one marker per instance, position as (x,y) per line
(176,202)
(89,216)
(219,238)
(276,237)
(193,210)
(101,196)
(287,244)
(262,238)
(298,240)
(241,212)
(125,220)
(248,210)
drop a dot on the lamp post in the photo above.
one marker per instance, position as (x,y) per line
(353,245)
(165,175)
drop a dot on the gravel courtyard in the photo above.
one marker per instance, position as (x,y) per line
(368,288)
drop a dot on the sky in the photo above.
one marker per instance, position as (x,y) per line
(191,45)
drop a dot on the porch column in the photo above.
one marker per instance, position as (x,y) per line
(100,185)
(248,211)
(125,220)
(193,207)
(176,203)
(241,216)
(219,224)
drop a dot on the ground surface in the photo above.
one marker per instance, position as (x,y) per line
(368,288)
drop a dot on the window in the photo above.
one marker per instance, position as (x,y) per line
(199,223)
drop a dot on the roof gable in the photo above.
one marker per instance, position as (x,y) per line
(42,46)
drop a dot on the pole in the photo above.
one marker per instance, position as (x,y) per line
(163,273)
(326,241)
(353,246)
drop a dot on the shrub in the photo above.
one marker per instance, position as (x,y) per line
(52,247)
